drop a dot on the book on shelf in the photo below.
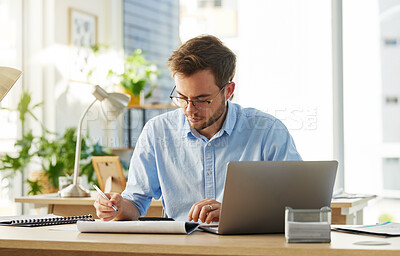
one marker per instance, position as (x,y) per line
(134,120)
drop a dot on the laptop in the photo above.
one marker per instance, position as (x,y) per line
(257,192)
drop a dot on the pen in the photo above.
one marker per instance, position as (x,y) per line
(103,195)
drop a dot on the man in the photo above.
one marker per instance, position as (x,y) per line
(182,155)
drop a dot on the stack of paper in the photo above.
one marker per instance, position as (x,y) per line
(312,232)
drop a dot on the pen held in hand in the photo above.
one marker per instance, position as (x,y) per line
(104,196)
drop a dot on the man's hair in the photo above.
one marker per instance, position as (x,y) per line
(201,53)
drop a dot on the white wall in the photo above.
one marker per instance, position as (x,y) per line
(49,59)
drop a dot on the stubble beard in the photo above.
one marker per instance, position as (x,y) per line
(210,121)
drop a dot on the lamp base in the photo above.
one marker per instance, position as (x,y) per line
(73,190)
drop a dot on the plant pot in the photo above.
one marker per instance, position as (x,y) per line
(47,187)
(135,99)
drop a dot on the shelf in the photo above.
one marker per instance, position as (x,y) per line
(152,106)
(135,117)
(115,150)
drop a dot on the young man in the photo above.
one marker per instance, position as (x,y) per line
(182,155)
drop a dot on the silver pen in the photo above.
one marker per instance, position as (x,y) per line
(103,195)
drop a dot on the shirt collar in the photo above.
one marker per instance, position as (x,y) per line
(230,119)
(186,129)
(228,125)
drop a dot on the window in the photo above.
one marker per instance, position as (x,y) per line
(10,55)
(153,26)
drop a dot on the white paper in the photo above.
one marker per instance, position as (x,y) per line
(160,227)
(69,227)
(386,229)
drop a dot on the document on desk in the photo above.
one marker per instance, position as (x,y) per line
(156,227)
(382,229)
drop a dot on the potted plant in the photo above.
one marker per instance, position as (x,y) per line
(55,154)
(139,76)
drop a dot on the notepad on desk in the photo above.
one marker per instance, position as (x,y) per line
(41,220)
(155,227)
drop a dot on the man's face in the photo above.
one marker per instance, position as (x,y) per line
(202,86)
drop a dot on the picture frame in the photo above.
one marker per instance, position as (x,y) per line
(109,173)
(82,36)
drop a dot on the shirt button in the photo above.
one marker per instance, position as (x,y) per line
(209,144)
(209,172)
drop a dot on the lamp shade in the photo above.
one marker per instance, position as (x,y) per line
(8,77)
(114,105)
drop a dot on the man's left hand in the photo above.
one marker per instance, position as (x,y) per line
(207,210)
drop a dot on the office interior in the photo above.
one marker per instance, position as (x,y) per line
(328,69)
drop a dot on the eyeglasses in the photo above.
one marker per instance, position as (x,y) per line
(198,104)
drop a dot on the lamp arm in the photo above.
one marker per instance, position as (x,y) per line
(78,145)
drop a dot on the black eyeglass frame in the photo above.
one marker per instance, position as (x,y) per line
(195,101)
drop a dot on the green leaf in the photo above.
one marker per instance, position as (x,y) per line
(37,105)
(23,155)
(35,187)
(137,87)
(55,171)
(138,73)
(23,106)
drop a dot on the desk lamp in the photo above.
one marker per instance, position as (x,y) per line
(8,77)
(112,105)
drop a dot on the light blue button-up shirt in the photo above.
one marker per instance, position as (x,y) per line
(176,162)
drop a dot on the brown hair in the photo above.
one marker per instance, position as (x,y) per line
(204,52)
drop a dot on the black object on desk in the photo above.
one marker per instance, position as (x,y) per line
(155,219)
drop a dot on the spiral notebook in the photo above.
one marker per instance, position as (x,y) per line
(41,220)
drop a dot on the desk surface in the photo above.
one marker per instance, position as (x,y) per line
(42,241)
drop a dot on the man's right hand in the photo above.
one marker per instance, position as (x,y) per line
(104,208)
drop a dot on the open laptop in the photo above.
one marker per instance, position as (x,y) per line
(256,194)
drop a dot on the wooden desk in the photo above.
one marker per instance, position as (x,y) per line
(76,206)
(344,211)
(45,242)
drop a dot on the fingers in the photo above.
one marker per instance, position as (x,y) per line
(104,208)
(196,209)
(115,200)
(207,210)
(212,216)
